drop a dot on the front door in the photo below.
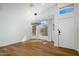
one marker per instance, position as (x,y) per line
(66,33)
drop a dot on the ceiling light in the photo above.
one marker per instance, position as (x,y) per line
(35,14)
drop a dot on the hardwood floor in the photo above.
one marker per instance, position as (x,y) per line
(36,48)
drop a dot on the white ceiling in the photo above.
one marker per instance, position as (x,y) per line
(44,11)
(27,10)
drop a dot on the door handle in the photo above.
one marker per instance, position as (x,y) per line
(59,32)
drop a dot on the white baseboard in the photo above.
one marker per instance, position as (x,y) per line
(24,39)
(56,45)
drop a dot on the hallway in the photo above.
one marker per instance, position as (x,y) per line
(36,29)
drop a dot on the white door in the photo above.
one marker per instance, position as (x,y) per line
(66,37)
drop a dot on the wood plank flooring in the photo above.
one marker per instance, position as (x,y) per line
(36,48)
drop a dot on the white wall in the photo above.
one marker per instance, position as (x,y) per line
(77,14)
(56,19)
(14,24)
(78,33)
(50,29)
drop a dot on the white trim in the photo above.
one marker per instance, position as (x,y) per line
(24,39)
(77,17)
